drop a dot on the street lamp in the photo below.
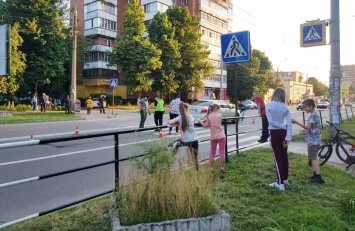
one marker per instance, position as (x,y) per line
(277,72)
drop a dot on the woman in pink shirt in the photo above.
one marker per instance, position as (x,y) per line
(214,121)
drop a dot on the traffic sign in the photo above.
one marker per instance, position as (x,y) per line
(235,47)
(313,33)
(113,83)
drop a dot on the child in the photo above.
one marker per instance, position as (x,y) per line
(280,135)
(89,105)
(312,130)
(189,135)
(214,121)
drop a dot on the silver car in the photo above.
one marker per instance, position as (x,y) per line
(199,109)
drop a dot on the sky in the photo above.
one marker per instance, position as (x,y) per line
(274,27)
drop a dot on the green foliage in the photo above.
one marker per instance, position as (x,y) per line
(136,55)
(249,76)
(44,44)
(118,99)
(10,84)
(319,89)
(162,35)
(195,66)
(31,117)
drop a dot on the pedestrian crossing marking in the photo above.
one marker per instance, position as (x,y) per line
(312,35)
(234,49)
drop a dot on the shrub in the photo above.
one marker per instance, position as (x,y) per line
(166,194)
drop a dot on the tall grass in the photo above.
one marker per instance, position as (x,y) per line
(165,194)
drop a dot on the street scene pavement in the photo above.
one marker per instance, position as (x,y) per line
(21,200)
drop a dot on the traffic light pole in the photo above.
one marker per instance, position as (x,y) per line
(73,66)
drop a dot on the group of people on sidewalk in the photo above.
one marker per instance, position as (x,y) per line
(276,125)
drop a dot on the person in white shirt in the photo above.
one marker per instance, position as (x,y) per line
(280,129)
(174,112)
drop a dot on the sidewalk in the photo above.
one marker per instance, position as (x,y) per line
(301,148)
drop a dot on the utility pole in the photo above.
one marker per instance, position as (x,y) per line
(73,65)
(277,76)
(335,73)
(221,87)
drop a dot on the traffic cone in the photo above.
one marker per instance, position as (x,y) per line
(160,133)
(253,122)
(77,131)
(31,137)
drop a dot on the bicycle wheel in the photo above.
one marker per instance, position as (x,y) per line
(345,150)
(324,153)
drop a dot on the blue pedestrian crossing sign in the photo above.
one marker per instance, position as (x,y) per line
(313,33)
(235,47)
(113,83)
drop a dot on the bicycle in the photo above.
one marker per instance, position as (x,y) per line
(344,147)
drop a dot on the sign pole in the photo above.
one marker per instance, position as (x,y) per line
(335,73)
(113,99)
(220,93)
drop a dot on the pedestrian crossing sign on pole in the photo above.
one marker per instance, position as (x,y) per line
(313,33)
(113,83)
(235,47)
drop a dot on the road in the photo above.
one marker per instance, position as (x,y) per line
(19,163)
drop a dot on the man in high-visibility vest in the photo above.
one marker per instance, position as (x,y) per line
(159,111)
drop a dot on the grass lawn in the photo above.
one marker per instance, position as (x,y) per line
(29,117)
(245,195)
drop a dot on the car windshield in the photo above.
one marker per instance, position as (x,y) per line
(203,103)
(322,102)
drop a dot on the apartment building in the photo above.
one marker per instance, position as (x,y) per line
(102,20)
(348,74)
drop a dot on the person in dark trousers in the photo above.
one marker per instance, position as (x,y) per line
(265,124)
(174,112)
(43,101)
(159,112)
(280,127)
(101,102)
(143,110)
(67,105)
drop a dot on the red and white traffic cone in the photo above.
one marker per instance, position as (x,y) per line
(77,131)
(31,137)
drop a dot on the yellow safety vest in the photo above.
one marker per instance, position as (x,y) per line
(160,105)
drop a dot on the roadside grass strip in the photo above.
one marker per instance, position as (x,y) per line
(245,195)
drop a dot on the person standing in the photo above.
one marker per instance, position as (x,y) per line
(174,112)
(189,134)
(242,109)
(312,131)
(213,120)
(88,105)
(261,110)
(43,102)
(280,135)
(101,102)
(34,102)
(143,110)
(67,105)
(159,112)
(59,103)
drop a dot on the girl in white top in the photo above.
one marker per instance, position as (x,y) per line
(189,135)
(280,129)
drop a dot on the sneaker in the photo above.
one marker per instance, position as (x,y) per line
(312,177)
(262,141)
(286,182)
(317,180)
(278,186)
(169,133)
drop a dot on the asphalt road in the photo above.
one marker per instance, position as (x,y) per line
(21,200)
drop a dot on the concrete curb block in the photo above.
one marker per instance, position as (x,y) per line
(6,113)
(218,222)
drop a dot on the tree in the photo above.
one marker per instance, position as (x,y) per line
(318,87)
(136,55)
(249,76)
(42,29)
(195,66)
(10,84)
(162,34)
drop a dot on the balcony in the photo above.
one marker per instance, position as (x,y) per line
(100,31)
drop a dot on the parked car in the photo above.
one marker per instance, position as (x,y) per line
(95,102)
(299,106)
(250,105)
(199,108)
(323,105)
(348,104)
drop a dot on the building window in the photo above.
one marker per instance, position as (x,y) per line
(108,43)
(184,2)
